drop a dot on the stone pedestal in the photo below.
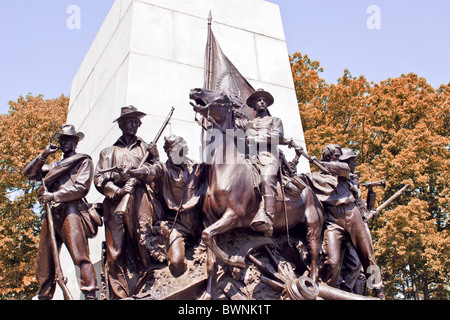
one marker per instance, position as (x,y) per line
(150,53)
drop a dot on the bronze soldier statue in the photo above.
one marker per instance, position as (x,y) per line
(181,182)
(352,278)
(263,134)
(127,227)
(67,182)
(343,217)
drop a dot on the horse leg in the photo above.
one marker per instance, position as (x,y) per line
(313,237)
(224,224)
(211,270)
(314,222)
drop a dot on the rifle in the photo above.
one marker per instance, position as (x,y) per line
(122,207)
(112,169)
(291,171)
(374,213)
(312,160)
(381,183)
(59,276)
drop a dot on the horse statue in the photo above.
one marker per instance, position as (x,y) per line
(231,199)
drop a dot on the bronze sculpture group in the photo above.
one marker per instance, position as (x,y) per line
(247,184)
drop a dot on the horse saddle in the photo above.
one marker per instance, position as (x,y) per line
(293,185)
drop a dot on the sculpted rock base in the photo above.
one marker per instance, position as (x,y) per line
(249,283)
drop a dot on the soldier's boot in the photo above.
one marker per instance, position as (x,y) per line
(263,220)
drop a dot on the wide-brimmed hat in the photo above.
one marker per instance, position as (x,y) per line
(329,151)
(69,131)
(251,100)
(130,112)
(171,141)
(347,153)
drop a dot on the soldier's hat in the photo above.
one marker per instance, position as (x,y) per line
(69,131)
(130,112)
(171,141)
(251,100)
(347,153)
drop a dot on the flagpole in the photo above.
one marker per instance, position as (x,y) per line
(207,80)
(207,77)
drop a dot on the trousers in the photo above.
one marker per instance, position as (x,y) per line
(69,230)
(345,222)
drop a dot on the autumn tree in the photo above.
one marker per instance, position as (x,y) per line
(413,238)
(400,129)
(24,133)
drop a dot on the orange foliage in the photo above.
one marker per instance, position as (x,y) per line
(24,133)
(400,128)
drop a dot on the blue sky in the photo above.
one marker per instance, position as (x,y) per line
(41,55)
(414,36)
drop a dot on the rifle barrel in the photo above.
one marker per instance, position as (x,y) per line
(158,135)
(161,130)
(58,269)
(307,156)
(391,199)
(315,162)
(381,183)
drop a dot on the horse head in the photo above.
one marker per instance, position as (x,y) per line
(213,104)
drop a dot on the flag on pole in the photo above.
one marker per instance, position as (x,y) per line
(221,74)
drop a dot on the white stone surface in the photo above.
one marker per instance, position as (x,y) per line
(150,53)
